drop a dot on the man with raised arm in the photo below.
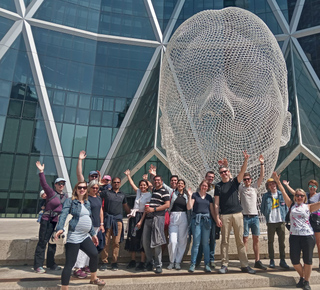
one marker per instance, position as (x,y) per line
(228,205)
(248,199)
(92,174)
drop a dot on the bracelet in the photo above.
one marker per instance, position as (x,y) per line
(101,224)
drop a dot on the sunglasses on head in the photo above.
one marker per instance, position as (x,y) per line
(82,187)
(224,171)
(61,183)
(313,186)
(299,195)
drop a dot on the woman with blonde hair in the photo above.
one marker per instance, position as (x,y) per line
(301,233)
(80,230)
(81,267)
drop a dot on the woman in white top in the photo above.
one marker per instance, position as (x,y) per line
(301,232)
(136,218)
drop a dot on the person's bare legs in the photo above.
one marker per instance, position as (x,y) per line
(299,269)
(143,257)
(307,271)
(255,240)
(245,241)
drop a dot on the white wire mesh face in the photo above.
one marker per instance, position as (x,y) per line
(223,89)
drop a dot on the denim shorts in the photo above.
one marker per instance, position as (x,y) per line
(251,222)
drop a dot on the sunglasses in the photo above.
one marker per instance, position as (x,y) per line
(82,187)
(61,183)
(224,171)
(95,188)
(299,195)
(116,182)
(313,186)
(246,179)
(94,176)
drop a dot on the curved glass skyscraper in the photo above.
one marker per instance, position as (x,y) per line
(84,75)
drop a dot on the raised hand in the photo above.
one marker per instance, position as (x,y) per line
(145,176)
(127,172)
(261,159)
(285,182)
(276,177)
(39,166)
(245,155)
(82,154)
(223,162)
(189,192)
(153,170)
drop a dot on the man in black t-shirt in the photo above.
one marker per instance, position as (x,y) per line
(228,205)
(153,231)
(114,203)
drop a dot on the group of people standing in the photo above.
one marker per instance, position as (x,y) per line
(229,204)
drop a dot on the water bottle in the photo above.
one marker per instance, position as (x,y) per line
(40,216)
(134,232)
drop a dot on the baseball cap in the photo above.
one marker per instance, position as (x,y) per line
(93,172)
(107,177)
(59,179)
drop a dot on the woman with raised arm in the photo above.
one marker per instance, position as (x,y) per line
(202,205)
(54,200)
(301,233)
(136,219)
(313,196)
(178,227)
(81,267)
(80,230)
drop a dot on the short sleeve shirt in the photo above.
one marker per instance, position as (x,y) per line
(201,205)
(113,202)
(228,196)
(158,198)
(275,213)
(248,199)
(299,220)
(95,204)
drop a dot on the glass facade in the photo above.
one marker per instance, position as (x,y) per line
(84,75)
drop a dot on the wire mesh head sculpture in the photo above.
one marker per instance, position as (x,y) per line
(223,89)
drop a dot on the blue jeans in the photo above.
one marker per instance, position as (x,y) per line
(200,234)
(212,243)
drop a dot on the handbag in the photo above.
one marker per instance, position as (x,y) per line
(63,237)
(167,216)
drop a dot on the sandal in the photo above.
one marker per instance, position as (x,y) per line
(98,282)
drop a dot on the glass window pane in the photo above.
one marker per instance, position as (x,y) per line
(6,161)
(70,115)
(80,140)
(84,101)
(95,118)
(19,173)
(10,135)
(25,136)
(93,142)
(29,110)
(67,139)
(105,142)
(82,117)
(15,107)
(72,99)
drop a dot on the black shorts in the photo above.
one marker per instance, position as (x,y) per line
(301,243)
(315,222)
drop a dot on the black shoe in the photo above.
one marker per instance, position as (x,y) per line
(103,267)
(55,267)
(300,283)
(248,270)
(283,264)
(158,270)
(259,265)
(114,267)
(149,267)
(141,266)
(306,285)
(132,264)
(272,265)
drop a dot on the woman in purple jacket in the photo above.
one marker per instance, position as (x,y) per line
(54,200)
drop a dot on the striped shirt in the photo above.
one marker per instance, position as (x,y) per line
(158,198)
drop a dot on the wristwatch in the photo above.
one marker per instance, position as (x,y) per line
(155,209)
